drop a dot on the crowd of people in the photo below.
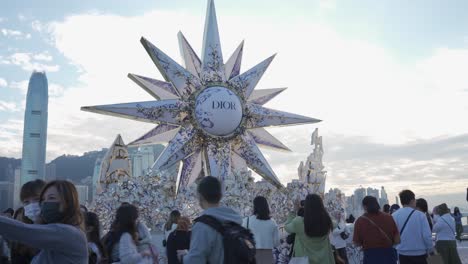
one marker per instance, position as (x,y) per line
(52,227)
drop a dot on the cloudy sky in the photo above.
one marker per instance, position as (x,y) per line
(387,77)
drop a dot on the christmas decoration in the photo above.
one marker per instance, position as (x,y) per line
(209,111)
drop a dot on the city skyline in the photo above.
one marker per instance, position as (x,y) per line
(391,97)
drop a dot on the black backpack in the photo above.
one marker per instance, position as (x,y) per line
(239,244)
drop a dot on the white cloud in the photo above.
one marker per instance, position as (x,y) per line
(16,34)
(55,90)
(3,82)
(30,62)
(327,4)
(37,26)
(22,17)
(21,85)
(11,133)
(8,106)
(45,56)
(10,32)
(355,86)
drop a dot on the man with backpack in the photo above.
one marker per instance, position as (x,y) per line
(217,235)
(415,233)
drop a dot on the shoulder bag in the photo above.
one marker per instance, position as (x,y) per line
(380,229)
(448,224)
(406,222)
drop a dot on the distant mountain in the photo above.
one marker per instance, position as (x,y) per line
(76,168)
(71,167)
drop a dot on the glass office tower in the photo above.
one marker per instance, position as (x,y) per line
(35,129)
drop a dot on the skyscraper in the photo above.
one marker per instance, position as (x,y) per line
(373,192)
(35,129)
(142,160)
(383,197)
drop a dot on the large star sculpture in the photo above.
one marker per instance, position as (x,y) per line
(211,115)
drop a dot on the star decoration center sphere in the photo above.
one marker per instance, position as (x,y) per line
(218,111)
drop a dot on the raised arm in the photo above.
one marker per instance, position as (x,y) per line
(290,227)
(50,236)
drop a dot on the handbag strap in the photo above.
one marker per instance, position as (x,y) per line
(380,229)
(448,224)
(406,222)
(248,219)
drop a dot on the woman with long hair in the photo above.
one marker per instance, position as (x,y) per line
(376,233)
(421,205)
(312,231)
(123,245)
(96,249)
(178,240)
(264,229)
(444,228)
(60,238)
(458,222)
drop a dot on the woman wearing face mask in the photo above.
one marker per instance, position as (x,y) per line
(29,196)
(60,238)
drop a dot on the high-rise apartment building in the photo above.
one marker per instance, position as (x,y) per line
(142,160)
(383,197)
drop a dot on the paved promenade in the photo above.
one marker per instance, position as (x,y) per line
(463,251)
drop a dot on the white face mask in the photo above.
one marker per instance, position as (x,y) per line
(32,211)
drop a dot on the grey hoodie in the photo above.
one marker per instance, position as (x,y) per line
(206,244)
(59,243)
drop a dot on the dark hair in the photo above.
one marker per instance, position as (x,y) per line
(210,189)
(371,204)
(456,211)
(9,211)
(302,203)
(300,212)
(261,208)
(421,203)
(394,208)
(386,208)
(406,196)
(69,196)
(350,219)
(31,189)
(173,219)
(443,209)
(93,230)
(19,213)
(125,222)
(317,221)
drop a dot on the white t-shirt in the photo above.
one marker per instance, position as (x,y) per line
(335,237)
(265,232)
